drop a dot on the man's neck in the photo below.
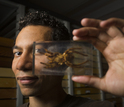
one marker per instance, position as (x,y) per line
(49,99)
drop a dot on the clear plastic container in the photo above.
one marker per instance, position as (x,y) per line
(62,57)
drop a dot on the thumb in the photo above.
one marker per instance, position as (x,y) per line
(89,80)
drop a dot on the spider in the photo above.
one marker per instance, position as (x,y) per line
(57,59)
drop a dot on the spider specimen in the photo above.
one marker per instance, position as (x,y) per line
(57,59)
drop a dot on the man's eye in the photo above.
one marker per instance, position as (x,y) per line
(17,53)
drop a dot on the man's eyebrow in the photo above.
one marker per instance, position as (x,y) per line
(16,47)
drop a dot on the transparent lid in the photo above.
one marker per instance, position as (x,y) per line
(62,57)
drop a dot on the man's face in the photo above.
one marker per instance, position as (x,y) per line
(31,85)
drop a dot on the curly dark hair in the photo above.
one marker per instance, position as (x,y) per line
(42,18)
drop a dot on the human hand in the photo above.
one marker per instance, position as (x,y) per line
(109,40)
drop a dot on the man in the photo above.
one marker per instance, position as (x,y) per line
(43,90)
(108,37)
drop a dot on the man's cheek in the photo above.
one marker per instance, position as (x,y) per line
(14,67)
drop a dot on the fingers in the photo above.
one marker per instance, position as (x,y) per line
(97,28)
(103,36)
(114,32)
(113,22)
(88,22)
(94,41)
(100,45)
(92,35)
(97,36)
(89,80)
(117,22)
(86,31)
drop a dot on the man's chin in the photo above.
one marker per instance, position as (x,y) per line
(28,92)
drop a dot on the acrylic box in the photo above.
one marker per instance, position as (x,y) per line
(62,57)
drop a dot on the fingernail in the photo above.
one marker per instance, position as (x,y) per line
(74,30)
(75,38)
(74,78)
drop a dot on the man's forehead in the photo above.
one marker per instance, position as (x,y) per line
(20,47)
(25,39)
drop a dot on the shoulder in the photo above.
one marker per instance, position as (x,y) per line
(25,105)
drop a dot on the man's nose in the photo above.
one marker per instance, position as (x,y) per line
(24,62)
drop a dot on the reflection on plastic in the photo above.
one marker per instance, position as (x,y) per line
(62,57)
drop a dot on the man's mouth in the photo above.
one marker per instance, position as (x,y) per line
(27,79)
